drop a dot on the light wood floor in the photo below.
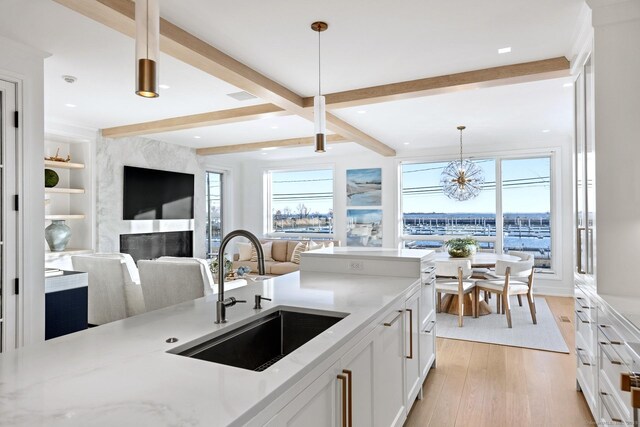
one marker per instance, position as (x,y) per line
(478,384)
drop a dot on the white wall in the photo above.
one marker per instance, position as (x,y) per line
(616,58)
(24,65)
(111,157)
(254,218)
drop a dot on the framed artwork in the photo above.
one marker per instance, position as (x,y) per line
(364,227)
(364,187)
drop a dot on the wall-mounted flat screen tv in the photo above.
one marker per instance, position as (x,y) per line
(157,194)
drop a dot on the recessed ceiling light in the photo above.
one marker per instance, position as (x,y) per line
(362,111)
(546,130)
(197,137)
(504,50)
(406,143)
(274,127)
(164,86)
(567,85)
(70,105)
(264,154)
(269,148)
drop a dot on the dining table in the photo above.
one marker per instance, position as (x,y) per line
(479,260)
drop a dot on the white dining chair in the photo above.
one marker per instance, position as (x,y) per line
(453,277)
(510,278)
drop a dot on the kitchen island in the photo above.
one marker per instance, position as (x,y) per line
(124,373)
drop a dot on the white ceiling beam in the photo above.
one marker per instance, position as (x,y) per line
(212,118)
(256,146)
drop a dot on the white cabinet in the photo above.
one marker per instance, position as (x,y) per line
(427,322)
(412,353)
(319,405)
(358,366)
(390,406)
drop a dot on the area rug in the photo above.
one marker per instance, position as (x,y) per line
(493,329)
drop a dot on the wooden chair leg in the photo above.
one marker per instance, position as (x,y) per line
(520,300)
(438,302)
(487,296)
(506,304)
(498,309)
(474,305)
(460,309)
(532,308)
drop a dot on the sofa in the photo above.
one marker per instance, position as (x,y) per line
(279,260)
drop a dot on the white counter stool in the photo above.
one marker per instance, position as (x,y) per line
(510,278)
(452,277)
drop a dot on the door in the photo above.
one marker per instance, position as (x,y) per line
(389,408)
(585,171)
(411,344)
(358,366)
(8,217)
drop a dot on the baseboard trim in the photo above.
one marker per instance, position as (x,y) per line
(552,291)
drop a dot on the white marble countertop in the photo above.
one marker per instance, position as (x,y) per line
(371,253)
(628,307)
(121,374)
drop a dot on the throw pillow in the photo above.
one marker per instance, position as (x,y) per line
(244,251)
(313,246)
(300,247)
(266,248)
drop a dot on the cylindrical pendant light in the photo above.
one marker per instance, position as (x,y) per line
(147,47)
(319,110)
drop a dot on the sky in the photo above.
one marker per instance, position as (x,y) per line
(526,188)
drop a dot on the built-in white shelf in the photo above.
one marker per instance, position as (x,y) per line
(58,190)
(52,256)
(63,165)
(63,217)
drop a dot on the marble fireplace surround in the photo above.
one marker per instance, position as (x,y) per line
(111,157)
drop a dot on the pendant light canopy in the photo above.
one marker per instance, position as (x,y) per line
(462,180)
(147,47)
(319,109)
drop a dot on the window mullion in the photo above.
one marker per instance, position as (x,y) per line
(499,218)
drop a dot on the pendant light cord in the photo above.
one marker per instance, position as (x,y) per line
(460,147)
(319,67)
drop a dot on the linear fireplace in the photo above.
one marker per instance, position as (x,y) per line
(154,245)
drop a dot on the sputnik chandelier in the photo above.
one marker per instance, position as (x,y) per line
(462,179)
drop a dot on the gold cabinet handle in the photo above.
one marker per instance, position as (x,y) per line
(630,381)
(394,320)
(350,402)
(410,356)
(343,380)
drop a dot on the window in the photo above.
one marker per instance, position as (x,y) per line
(214,212)
(526,207)
(430,218)
(301,202)
(430,214)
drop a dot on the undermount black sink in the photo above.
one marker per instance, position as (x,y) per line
(261,343)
